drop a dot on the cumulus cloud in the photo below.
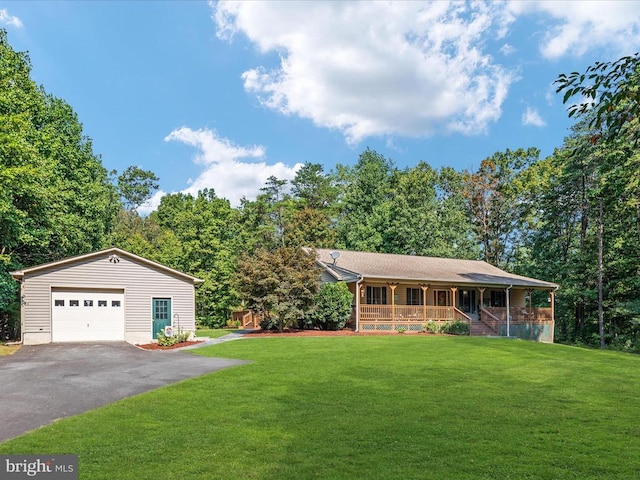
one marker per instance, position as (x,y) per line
(6,19)
(581,26)
(233,171)
(533,118)
(376,68)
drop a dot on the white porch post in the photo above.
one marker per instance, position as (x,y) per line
(359,288)
(508,312)
(552,296)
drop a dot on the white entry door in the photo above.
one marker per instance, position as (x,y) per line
(87,316)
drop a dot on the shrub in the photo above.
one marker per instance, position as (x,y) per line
(269,323)
(456,328)
(332,307)
(401,329)
(431,327)
(210,321)
(179,337)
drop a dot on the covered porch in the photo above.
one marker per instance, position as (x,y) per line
(489,310)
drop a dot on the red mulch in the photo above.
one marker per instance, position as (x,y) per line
(155,346)
(319,333)
(287,333)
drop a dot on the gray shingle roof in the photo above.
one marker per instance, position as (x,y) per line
(452,271)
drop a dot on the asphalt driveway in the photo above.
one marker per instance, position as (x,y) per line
(42,383)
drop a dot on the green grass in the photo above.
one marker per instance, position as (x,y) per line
(400,407)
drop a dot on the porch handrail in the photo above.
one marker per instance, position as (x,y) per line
(489,319)
(461,316)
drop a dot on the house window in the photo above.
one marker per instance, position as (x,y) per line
(415,296)
(88,303)
(115,303)
(74,303)
(59,303)
(376,295)
(498,299)
(442,298)
(102,303)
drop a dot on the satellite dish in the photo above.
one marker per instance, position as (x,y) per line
(335,256)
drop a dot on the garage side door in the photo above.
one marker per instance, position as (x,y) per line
(87,316)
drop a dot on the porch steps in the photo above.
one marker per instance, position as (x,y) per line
(481,329)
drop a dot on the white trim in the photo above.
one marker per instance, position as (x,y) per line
(18,274)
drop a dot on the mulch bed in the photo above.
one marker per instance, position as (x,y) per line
(320,333)
(289,332)
(155,346)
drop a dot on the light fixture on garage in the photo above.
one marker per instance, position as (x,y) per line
(113,258)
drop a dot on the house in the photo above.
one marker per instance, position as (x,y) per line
(110,295)
(392,291)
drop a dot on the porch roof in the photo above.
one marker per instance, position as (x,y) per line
(350,265)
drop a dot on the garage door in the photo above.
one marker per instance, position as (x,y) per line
(87,315)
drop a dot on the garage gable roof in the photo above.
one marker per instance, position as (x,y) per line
(19,274)
(349,266)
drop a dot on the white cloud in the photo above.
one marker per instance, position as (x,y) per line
(376,68)
(507,49)
(233,171)
(584,25)
(6,19)
(533,118)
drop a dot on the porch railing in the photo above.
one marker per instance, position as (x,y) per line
(521,314)
(417,313)
(247,318)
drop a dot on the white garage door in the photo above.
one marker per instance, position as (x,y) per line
(87,316)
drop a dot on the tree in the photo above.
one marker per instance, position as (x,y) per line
(610,116)
(136,186)
(427,214)
(309,216)
(201,237)
(608,90)
(309,227)
(313,187)
(498,200)
(280,284)
(365,203)
(56,198)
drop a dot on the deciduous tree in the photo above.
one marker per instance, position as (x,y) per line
(280,284)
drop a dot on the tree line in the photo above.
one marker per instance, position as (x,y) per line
(572,218)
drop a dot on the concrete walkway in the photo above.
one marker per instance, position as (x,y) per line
(213,341)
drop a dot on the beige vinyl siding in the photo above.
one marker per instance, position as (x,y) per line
(140,282)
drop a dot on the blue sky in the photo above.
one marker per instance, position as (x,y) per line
(224,94)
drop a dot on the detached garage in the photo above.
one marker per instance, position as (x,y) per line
(110,295)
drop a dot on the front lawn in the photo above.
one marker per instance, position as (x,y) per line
(397,407)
